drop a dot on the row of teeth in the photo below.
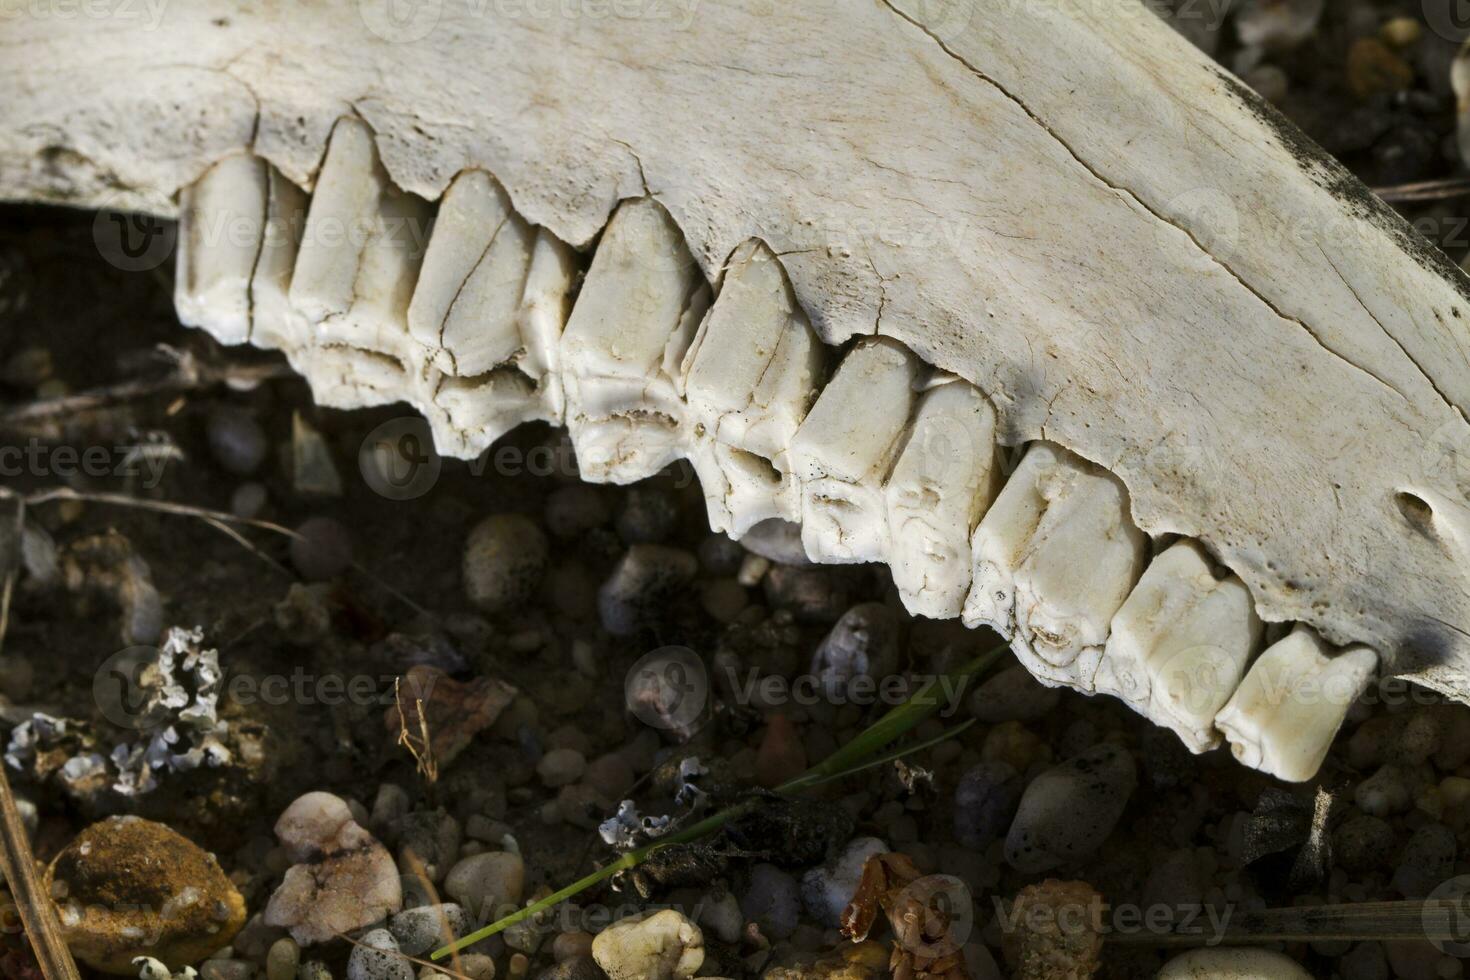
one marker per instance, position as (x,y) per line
(877,456)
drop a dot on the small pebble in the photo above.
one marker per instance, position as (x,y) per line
(610,776)
(723,918)
(504,561)
(569,945)
(428,927)
(1277,23)
(773,901)
(720,556)
(984,801)
(862,644)
(648,516)
(487,886)
(1363,843)
(576,968)
(1428,861)
(313,970)
(559,767)
(249,499)
(1013,695)
(723,598)
(375,956)
(322,549)
(1384,793)
(283,959)
(574,510)
(236,441)
(661,945)
(645,581)
(477,966)
(781,756)
(1232,963)
(1068,811)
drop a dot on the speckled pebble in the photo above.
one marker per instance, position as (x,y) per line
(645,581)
(376,957)
(504,561)
(1428,861)
(424,928)
(1068,811)
(648,515)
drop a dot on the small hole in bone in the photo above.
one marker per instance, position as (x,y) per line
(754,466)
(1416,511)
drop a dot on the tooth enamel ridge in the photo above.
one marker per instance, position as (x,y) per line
(465,311)
(1284,715)
(751,374)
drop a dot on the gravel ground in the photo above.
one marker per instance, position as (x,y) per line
(469,666)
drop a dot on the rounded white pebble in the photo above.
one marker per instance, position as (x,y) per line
(662,945)
(1232,963)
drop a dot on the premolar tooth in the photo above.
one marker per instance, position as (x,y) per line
(947,474)
(750,377)
(1283,717)
(843,450)
(544,309)
(275,326)
(344,209)
(222,223)
(1180,644)
(470,214)
(1055,557)
(623,345)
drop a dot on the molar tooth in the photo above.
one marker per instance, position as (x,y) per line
(471,413)
(1283,717)
(276,326)
(470,214)
(1055,557)
(627,335)
(750,377)
(344,208)
(947,474)
(843,450)
(1180,644)
(481,328)
(221,224)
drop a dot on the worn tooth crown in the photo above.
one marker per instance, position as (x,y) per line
(1283,717)
(1054,559)
(470,216)
(844,449)
(1180,644)
(624,342)
(225,220)
(883,460)
(948,473)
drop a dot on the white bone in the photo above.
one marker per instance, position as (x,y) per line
(1055,556)
(947,474)
(221,226)
(628,332)
(275,324)
(470,213)
(1180,644)
(1283,717)
(751,375)
(545,307)
(341,220)
(843,451)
